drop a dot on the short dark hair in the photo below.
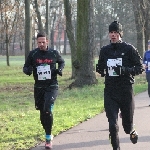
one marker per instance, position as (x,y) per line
(41,34)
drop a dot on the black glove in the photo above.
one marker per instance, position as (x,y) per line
(118,70)
(127,70)
(99,71)
(133,71)
(121,70)
(28,70)
(102,74)
(58,71)
(97,68)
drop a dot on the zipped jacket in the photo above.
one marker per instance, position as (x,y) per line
(44,65)
(119,54)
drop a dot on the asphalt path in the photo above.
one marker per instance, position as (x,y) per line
(93,134)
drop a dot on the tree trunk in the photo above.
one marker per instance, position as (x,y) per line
(139,21)
(70,34)
(147,25)
(85,44)
(7,47)
(28,29)
(40,26)
(52,31)
(47,21)
(7,41)
(65,41)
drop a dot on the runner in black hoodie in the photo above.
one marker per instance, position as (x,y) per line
(45,64)
(119,62)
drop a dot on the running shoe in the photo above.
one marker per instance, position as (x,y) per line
(134,137)
(48,144)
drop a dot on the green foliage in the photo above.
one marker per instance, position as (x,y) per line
(19,121)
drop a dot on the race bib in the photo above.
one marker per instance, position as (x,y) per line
(148,65)
(44,72)
(113,63)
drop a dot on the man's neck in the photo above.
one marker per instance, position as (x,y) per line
(120,41)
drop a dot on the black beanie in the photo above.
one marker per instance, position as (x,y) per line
(116,26)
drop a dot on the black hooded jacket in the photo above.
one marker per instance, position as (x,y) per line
(37,58)
(130,59)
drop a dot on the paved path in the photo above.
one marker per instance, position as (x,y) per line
(93,134)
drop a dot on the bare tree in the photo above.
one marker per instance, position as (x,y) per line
(28,29)
(47,26)
(39,22)
(140,23)
(146,15)
(70,34)
(8,19)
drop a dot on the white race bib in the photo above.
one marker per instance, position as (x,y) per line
(113,63)
(44,72)
(148,65)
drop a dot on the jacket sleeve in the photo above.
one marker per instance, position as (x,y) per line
(60,61)
(101,64)
(137,67)
(27,68)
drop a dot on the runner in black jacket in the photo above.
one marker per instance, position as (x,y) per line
(119,62)
(45,64)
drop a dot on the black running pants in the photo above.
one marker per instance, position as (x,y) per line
(115,98)
(44,101)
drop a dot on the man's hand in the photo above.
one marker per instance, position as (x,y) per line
(59,72)
(28,70)
(99,71)
(117,69)
(121,70)
(146,66)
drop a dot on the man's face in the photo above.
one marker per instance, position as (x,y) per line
(114,36)
(42,43)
